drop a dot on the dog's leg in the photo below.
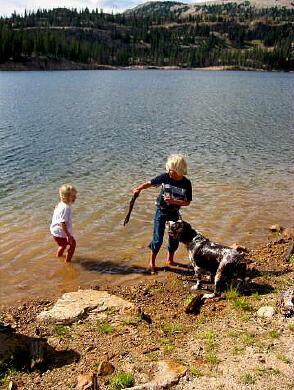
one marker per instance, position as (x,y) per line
(198,273)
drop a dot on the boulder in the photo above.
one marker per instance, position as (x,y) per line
(266,311)
(168,373)
(75,305)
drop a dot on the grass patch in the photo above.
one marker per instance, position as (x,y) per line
(283,358)
(60,330)
(121,381)
(248,338)
(241,304)
(196,371)
(231,294)
(189,299)
(233,334)
(211,359)
(210,345)
(256,296)
(291,260)
(247,379)
(266,371)
(104,327)
(202,319)
(156,290)
(273,334)
(206,335)
(237,349)
(172,329)
(151,356)
(133,321)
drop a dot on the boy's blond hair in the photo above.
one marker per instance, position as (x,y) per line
(65,191)
(177,163)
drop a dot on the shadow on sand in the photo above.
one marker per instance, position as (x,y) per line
(28,353)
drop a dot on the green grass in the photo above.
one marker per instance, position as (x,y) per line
(248,338)
(247,379)
(121,381)
(151,356)
(172,329)
(211,359)
(273,334)
(196,371)
(189,299)
(206,335)
(210,345)
(291,328)
(283,358)
(202,319)
(256,296)
(104,327)
(240,303)
(266,371)
(156,290)
(237,349)
(231,294)
(133,321)
(60,330)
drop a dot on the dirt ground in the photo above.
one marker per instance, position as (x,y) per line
(225,346)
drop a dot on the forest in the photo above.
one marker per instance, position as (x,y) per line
(157,34)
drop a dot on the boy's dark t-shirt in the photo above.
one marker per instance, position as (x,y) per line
(177,189)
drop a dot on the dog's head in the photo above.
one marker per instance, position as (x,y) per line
(181,231)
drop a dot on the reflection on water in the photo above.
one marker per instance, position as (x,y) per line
(108,131)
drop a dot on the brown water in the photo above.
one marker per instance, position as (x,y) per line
(108,131)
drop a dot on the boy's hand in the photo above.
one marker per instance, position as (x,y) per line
(136,191)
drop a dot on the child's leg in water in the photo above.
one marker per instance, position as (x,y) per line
(60,250)
(70,252)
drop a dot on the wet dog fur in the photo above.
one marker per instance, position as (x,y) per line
(223,262)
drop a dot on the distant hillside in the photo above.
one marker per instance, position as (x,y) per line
(183,10)
(234,34)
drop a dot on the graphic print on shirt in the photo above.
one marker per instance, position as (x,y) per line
(174,192)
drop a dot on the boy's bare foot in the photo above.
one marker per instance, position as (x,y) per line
(172,264)
(151,271)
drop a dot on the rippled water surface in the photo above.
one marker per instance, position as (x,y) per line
(107,131)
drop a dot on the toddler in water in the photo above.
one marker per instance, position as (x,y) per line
(61,225)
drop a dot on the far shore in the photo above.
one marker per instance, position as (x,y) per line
(48,64)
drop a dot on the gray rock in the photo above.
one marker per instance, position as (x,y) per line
(168,374)
(75,305)
(266,311)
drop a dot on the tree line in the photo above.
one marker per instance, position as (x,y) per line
(230,34)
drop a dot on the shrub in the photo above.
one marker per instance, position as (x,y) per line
(121,381)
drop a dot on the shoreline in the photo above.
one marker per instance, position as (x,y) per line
(45,64)
(217,346)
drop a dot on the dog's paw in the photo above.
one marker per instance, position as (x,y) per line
(195,287)
(208,296)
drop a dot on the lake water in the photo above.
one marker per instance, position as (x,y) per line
(107,131)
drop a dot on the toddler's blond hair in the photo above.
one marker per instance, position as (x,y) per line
(65,191)
(177,163)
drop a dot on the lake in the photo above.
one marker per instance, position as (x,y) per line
(108,131)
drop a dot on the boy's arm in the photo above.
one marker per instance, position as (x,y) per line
(141,187)
(64,228)
(176,202)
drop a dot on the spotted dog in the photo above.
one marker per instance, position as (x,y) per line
(223,262)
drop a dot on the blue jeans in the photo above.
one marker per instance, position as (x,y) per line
(160,219)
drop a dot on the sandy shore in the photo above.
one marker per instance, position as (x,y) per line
(226,345)
(43,63)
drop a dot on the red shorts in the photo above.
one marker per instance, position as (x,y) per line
(61,241)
